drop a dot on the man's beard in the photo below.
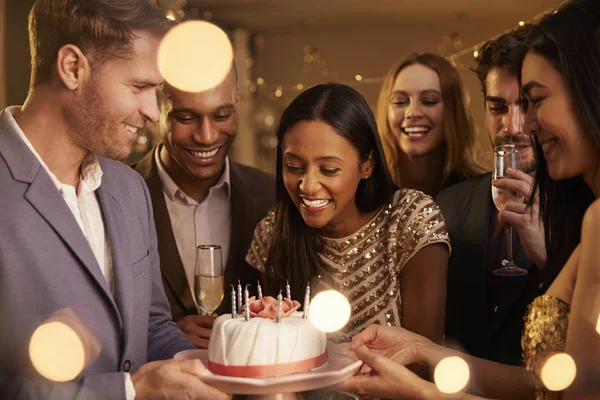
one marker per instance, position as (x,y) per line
(527,165)
(93,127)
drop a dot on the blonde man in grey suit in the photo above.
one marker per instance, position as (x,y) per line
(77,230)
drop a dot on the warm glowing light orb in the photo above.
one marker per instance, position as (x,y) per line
(451,375)
(558,372)
(57,352)
(329,311)
(195,56)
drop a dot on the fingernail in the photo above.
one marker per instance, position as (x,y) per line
(494,182)
(510,170)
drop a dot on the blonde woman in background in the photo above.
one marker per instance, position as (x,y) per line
(426,132)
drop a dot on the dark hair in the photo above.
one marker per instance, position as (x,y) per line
(502,52)
(567,38)
(293,251)
(102,29)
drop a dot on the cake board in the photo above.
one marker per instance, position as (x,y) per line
(339,367)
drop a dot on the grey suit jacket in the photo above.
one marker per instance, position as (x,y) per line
(47,265)
(252,196)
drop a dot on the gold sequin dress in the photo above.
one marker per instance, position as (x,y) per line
(545,332)
(366,265)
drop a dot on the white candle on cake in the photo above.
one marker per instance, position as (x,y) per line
(259,289)
(246,302)
(239,302)
(287,290)
(233,313)
(279,307)
(306,301)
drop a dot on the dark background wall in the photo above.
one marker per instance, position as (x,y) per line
(16,50)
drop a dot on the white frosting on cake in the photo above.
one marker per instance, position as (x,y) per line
(263,341)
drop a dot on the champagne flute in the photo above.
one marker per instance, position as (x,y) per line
(208,278)
(505,156)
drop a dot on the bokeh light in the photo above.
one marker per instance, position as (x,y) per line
(451,375)
(57,352)
(195,56)
(358,77)
(269,121)
(329,311)
(558,372)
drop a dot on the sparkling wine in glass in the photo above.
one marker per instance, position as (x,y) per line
(505,156)
(208,278)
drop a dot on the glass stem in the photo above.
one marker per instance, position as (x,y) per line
(510,249)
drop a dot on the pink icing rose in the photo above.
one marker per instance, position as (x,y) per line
(267,307)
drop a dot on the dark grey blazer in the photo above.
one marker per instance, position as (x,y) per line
(466,207)
(252,196)
(47,265)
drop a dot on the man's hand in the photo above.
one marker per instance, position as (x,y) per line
(174,379)
(525,218)
(197,328)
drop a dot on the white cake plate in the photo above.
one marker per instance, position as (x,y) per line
(338,368)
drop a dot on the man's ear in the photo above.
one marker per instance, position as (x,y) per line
(72,66)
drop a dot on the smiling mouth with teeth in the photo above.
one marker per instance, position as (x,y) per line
(204,154)
(415,130)
(131,129)
(315,203)
(548,143)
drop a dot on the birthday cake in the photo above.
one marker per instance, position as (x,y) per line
(272,339)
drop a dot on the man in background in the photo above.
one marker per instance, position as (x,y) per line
(201,196)
(484,312)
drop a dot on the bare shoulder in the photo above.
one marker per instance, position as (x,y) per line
(564,284)
(591,219)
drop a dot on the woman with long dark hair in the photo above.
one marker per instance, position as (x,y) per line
(561,85)
(339,221)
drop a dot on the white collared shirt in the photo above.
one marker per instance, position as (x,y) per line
(82,202)
(84,205)
(196,223)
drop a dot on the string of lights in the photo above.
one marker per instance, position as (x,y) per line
(311,56)
(315,62)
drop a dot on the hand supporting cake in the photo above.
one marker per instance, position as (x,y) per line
(262,347)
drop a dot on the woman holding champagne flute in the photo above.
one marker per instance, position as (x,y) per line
(561,83)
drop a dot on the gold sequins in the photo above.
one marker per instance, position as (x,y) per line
(545,333)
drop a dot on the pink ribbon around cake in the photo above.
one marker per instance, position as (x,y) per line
(249,371)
